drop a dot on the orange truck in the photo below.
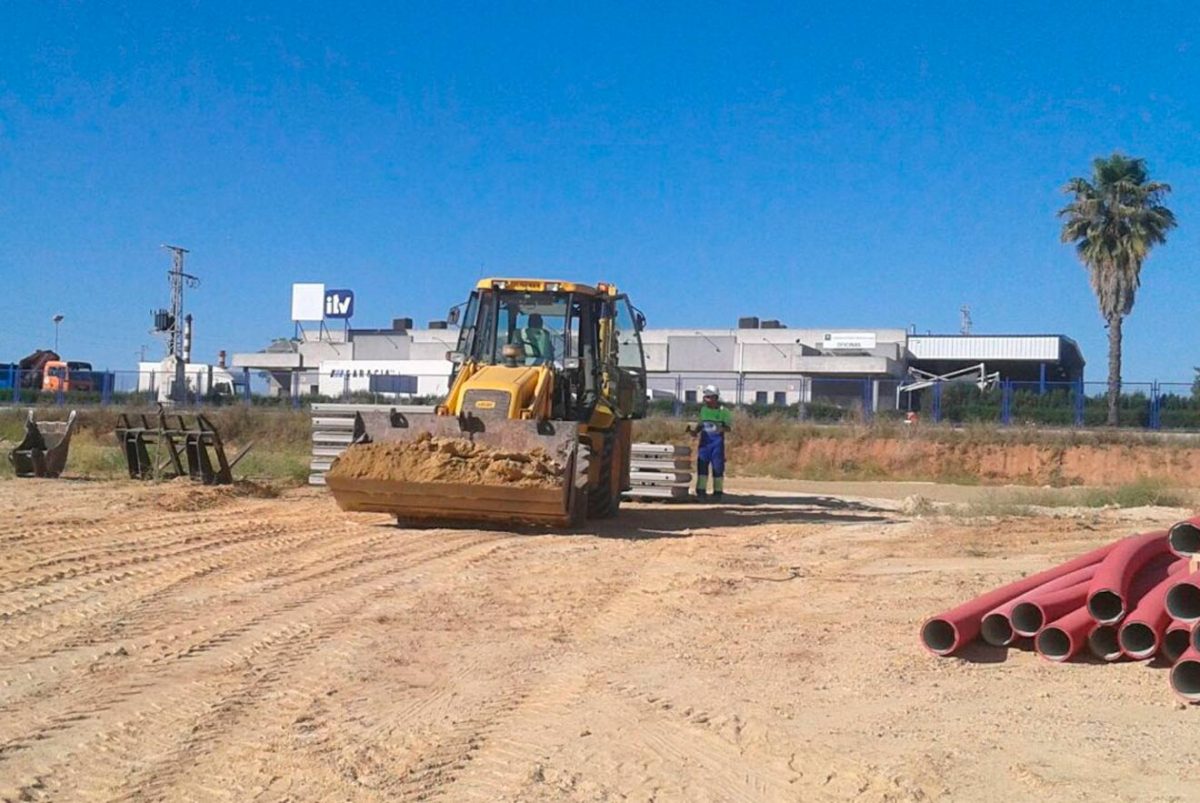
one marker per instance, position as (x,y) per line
(58,375)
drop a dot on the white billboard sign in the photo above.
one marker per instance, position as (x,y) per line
(849,341)
(308,302)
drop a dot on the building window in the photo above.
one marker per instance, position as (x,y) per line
(760,397)
(689,396)
(780,398)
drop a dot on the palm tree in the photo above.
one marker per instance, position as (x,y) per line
(1114,220)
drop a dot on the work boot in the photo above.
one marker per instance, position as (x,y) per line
(718,495)
(702,495)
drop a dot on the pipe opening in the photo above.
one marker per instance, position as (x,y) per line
(1183,602)
(1106,606)
(1185,679)
(1175,644)
(1102,641)
(1194,637)
(1138,640)
(1184,538)
(1027,618)
(1054,643)
(996,630)
(939,636)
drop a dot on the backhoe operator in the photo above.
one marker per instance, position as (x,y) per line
(539,347)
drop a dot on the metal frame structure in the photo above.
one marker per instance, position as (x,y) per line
(159,446)
(976,374)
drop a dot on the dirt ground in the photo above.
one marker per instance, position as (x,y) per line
(163,645)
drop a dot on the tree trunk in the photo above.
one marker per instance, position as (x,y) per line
(1114,367)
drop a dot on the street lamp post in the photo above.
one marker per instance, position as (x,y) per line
(57,320)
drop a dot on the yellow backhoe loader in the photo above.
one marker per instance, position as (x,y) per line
(539,363)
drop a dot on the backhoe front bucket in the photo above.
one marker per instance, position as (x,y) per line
(43,450)
(452,503)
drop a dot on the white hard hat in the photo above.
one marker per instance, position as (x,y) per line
(711,390)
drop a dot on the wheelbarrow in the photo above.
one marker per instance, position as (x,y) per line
(43,450)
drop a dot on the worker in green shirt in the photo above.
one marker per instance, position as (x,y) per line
(715,421)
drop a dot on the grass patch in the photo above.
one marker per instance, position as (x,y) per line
(285,465)
(1147,491)
(992,507)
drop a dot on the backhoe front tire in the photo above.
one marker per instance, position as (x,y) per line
(604,498)
(578,504)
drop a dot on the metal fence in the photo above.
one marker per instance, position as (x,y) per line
(1149,405)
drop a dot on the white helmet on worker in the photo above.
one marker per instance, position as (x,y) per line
(711,391)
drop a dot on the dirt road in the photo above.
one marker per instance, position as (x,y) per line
(164,646)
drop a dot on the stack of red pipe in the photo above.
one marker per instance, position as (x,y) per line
(1134,598)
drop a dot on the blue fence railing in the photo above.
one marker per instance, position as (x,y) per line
(1149,405)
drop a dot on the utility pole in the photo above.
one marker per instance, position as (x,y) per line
(174,330)
(57,320)
(964,318)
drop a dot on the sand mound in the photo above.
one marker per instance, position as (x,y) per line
(182,494)
(433,459)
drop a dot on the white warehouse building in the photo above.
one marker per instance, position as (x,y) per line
(766,364)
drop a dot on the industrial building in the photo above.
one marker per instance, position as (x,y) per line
(754,363)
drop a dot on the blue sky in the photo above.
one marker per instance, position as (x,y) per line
(879,167)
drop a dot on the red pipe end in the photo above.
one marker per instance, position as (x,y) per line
(1184,539)
(1138,640)
(940,636)
(1185,676)
(1183,601)
(1103,643)
(1028,618)
(1106,606)
(1175,642)
(1055,644)
(997,630)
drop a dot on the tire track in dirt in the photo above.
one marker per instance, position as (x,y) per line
(161,708)
(30,540)
(507,762)
(144,618)
(128,604)
(480,757)
(101,568)
(326,576)
(190,629)
(156,532)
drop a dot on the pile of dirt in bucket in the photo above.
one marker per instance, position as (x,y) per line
(434,459)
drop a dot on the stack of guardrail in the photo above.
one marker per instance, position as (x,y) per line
(333,431)
(660,471)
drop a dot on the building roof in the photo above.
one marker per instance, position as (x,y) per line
(985,348)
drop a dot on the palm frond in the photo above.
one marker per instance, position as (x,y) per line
(1114,220)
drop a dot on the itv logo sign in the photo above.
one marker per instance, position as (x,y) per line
(339,304)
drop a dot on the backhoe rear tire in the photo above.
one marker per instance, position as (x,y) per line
(604,498)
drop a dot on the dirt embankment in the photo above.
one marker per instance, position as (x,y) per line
(1000,463)
(430,459)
